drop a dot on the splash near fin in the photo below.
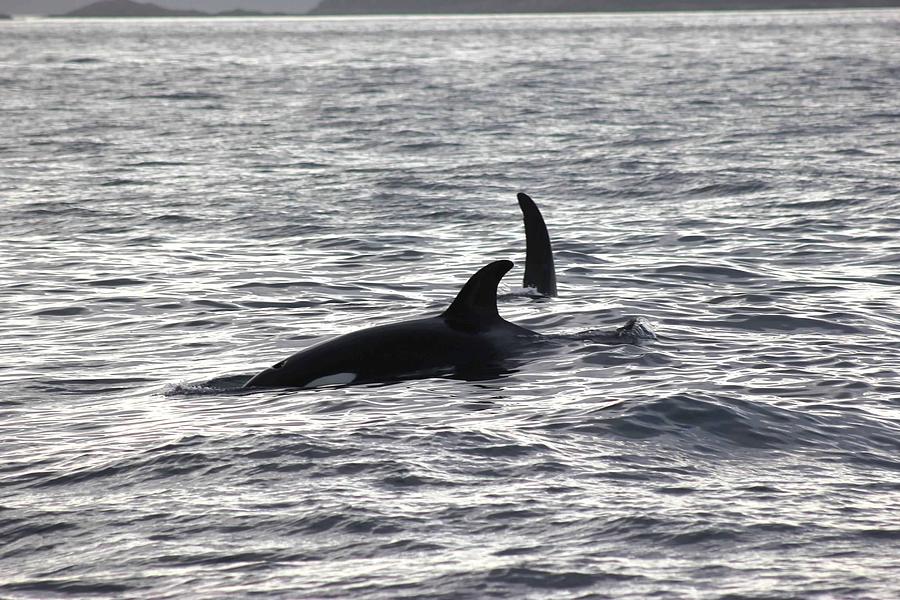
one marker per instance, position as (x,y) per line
(475,307)
(539,270)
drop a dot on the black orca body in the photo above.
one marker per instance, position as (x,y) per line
(469,337)
(540,273)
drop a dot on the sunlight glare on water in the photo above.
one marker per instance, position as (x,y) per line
(187,202)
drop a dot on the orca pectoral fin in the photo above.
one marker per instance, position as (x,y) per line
(539,270)
(475,306)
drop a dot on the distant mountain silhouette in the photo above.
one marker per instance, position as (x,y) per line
(129,8)
(360,7)
(4,17)
(240,12)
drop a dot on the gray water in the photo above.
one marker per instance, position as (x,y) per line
(186,202)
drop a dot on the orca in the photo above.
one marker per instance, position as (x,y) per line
(540,274)
(468,340)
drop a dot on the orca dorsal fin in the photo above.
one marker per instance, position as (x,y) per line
(475,306)
(539,270)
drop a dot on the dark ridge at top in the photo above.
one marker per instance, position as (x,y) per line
(374,7)
(240,12)
(129,8)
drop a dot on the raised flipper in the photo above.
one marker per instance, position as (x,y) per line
(539,270)
(475,307)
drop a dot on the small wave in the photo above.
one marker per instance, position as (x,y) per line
(250,457)
(423,146)
(217,385)
(762,70)
(857,151)
(81,586)
(116,282)
(551,580)
(124,182)
(892,534)
(173,218)
(65,311)
(87,60)
(83,146)
(742,299)
(754,424)
(211,558)
(15,530)
(701,535)
(194,454)
(354,524)
(159,163)
(508,450)
(739,422)
(216,305)
(775,322)
(286,230)
(284,304)
(718,190)
(824,203)
(194,324)
(697,239)
(95,385)
(186,96)
(871,460)
(275,285)
(888,115)
(705,272)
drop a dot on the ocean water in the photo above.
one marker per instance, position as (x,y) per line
(186,202)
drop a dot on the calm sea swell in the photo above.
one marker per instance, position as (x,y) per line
(186,202)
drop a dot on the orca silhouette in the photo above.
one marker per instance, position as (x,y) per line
(540,273)
(468,340)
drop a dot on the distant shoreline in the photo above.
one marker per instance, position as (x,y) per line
(222,15)
(251,15)
(475,7)
(123,9)
(240,13)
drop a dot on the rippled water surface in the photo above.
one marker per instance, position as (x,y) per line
(187,202)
